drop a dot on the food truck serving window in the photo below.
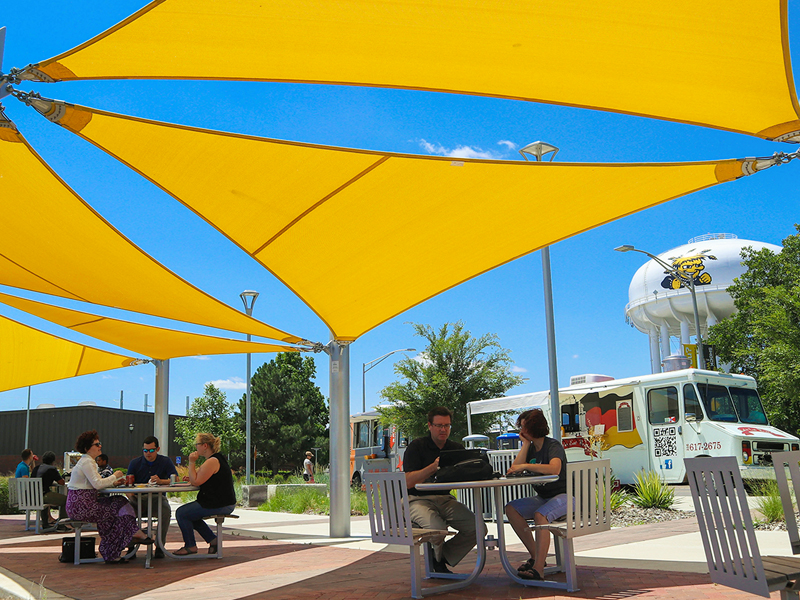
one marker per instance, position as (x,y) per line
(662,405)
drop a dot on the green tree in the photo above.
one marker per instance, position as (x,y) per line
(455,368)
(289,414)
(762,339)
(209,413)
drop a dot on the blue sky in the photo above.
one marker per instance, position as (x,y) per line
(590,280)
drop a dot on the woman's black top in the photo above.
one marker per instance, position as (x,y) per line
(218,491)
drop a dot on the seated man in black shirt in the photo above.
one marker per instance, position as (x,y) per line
(50,476)
(154,468)
(438,510)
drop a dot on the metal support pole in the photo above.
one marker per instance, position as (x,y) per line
(701,362)
(249,298)
(248,427)
(161,405)
(27,412)
(187,405)
(146,404)
(340,438)
(121,392)
(552,363)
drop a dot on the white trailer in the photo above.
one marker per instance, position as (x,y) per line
(654,422)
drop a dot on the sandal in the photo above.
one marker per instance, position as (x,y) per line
(526,566)
(532,574)
(184,551)
(117,561)
(145,541)
(212,548)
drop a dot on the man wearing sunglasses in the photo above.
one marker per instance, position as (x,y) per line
(152,467)
(437,510)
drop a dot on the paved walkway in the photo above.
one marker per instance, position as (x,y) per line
(272,556)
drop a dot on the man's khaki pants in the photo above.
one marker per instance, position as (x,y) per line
(441,512)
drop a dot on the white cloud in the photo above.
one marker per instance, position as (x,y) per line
(201,357)
(422,358)
(575,356)
(232,383)
(508,144)
(516,369)
(108,377)
(460,151)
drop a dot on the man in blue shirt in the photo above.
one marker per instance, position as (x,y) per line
(152,467)
(24,467)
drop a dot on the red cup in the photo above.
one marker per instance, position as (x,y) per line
(129,480)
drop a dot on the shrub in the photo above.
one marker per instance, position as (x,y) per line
(619,498)
(650,491)
(5,508)
(768,501)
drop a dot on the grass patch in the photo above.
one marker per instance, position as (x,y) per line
(311,502)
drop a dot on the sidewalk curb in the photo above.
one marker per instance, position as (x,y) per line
(14,587)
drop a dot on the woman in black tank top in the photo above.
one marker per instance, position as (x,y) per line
(216,495)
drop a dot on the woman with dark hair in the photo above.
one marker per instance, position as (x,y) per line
(114,516)
(216,495)
(540,455)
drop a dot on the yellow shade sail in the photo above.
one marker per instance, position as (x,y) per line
(718,63)
(29,357)
(155,342)
(51,241)
(362,236)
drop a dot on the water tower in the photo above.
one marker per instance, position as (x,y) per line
(661,306)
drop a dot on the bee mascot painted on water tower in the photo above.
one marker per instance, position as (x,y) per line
(689,267)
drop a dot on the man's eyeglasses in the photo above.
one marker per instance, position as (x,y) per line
(148,450)
(441,425)
(98,444)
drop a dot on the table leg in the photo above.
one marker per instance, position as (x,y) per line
(149,551)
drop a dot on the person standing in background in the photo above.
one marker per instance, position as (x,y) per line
(308,468)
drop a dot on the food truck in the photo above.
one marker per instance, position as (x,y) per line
(653,422)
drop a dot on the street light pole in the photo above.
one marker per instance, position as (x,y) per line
(689,280)
(249,300)
(374,363)
(538,150)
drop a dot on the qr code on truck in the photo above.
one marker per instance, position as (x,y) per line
(664,441)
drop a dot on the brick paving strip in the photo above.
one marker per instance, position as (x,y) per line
(258,569)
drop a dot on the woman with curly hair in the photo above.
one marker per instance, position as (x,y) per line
(216,495)
(114,516)
(540,455)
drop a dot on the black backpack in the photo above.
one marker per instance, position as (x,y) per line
(474,469)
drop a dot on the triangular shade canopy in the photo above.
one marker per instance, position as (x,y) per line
(155,342)
(718,63)
(51,241)
(362,236)
(29,357)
